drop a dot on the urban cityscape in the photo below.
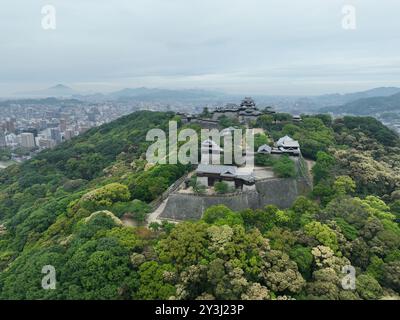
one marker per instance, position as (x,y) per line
(30,126)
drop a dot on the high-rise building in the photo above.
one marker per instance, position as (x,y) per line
(10,126)
(68,134)
(55,134)
(92,117)
(2,139)
(27,140)
(63,125)
(46,143)
(43,124)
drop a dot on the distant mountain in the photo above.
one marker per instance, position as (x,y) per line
(334,100)
(58,90)
(294,104)
(368,106)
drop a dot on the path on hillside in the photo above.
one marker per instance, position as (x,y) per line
(310,164)
(153,217)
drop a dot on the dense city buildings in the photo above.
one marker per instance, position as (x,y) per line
(28,126)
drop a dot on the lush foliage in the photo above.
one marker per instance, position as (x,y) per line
(65,208)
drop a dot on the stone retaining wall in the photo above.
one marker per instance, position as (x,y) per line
(279,192)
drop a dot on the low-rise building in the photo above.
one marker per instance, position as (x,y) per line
(297,118)
(288,145)
(285,145)
(266,149)
(235,177)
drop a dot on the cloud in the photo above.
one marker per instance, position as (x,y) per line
(280,46)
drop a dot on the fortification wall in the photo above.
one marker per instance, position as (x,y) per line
(204,123)
(279,192)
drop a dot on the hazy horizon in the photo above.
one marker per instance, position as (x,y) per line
(37,93)
(256,47)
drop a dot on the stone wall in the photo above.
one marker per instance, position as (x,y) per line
(204,123)
(228,114)
(279,192)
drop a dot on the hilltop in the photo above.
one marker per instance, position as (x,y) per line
(67,207)
(368,106)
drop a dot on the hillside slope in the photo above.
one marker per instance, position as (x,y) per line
(368,106)
(65,207)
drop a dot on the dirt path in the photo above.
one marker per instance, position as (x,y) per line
(129,222)
(153,217)
(310,164)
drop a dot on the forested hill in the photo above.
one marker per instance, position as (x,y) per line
(368,106)
(64,209)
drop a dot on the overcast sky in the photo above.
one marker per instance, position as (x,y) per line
(238,46)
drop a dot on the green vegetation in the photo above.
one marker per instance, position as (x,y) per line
(264,160)
(206,113)
(222,187)
(5,154)
(226,122)
(284,167)
(63,208)
(314,133)
(197,187)
(259,140)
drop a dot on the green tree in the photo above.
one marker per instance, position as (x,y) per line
(305,210)
(206,113)
(284,167)
(221,187)
(283,117)
(323,166)
(105,196)
(185,245)
(155,281)
(368,288)
(303,258)
(321,232)
(265,121)
(222,215)
(344,185)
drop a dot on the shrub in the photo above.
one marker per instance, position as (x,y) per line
(105,196)
(197,187)
(137,208)
(264,160)
(221,187)
(284,167)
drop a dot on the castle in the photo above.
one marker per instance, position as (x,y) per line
(247,187)
(245,113)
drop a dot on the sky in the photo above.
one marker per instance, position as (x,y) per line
(271,47)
